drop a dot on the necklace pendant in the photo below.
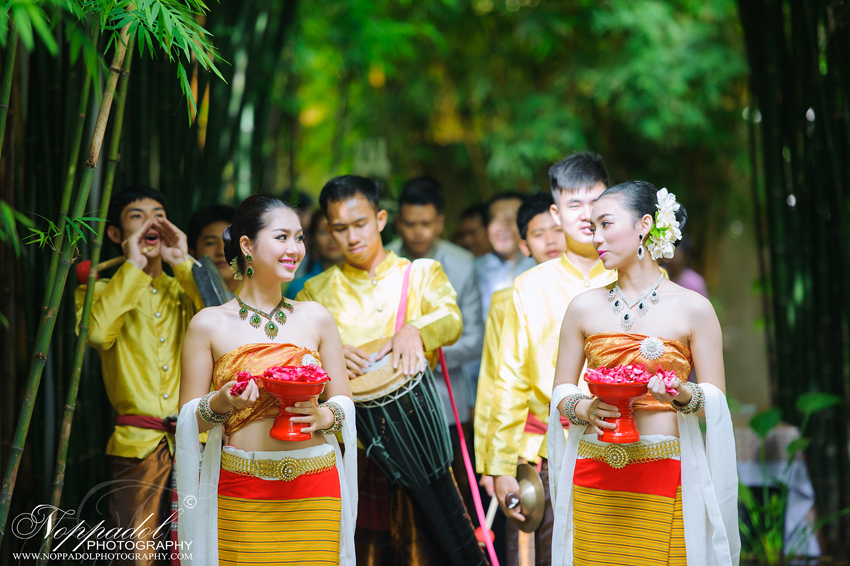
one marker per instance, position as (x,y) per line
(255,320)
(243,313)
(642,309)
(611,294)
(654,297)
(626,321)
(288,307)
(271,330)
(618,306)
(280,316)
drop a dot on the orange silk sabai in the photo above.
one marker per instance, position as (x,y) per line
(612,349)
(255,359)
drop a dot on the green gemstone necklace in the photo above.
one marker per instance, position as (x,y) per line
(276,315)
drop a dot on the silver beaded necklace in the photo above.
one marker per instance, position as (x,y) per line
(620,301)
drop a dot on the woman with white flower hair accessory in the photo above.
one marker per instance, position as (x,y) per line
(667,495)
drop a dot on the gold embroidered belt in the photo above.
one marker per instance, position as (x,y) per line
(621,455)
(286,469)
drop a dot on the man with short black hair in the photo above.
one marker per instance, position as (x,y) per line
(420,223)
(542,239)
(363,296)
(529,342)
(497,269)
(138,319)
(204,238)
(472,230)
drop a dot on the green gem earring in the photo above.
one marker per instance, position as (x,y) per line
(250,271)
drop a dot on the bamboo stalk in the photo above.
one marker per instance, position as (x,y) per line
(80,349)
(8,71)
(71,174)
(48,322)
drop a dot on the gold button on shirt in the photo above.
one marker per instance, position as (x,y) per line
(365,309)
(137,326)
(527,355)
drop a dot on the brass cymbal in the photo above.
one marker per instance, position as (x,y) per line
(531,498)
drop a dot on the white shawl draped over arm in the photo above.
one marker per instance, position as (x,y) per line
(197,524)
(709,482)
(198,496)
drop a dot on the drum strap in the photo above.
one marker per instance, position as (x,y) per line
(467,462)
(402,304)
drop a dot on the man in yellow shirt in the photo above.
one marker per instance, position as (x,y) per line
(542,239)
(363,296)
(529,345)
(137,322)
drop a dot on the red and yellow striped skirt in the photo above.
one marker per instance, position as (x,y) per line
(629,515)
(289,515)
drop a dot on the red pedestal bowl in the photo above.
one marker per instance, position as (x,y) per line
(287,394)
(621,395)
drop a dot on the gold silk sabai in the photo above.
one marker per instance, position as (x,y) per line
(255,359)
(528,352)
(612,349)
(365,308)
(137,326)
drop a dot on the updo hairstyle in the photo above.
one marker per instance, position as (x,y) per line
(250,218)
(640,198)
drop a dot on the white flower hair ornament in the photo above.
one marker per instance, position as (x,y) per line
(665,232)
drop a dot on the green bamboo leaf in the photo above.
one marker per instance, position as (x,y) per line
(37,18)
(24,27)
(4,321)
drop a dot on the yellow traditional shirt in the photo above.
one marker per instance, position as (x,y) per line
(137,325)
(530,444)
(365,308)
(528,352)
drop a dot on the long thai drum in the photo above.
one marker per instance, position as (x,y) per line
(401,425)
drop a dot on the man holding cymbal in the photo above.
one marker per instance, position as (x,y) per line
(376,296)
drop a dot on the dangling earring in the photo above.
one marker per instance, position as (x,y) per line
(640,248)
(250,271)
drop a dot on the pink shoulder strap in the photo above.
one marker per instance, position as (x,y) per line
(402,304)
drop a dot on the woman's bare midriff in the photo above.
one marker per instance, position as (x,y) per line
(657,422)
(254,437)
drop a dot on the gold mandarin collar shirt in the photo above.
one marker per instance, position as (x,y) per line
(531,442)
(528,352)
(365,308)
(137,325)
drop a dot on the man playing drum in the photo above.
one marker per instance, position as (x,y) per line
(364,295)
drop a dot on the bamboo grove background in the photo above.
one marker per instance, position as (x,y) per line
(741,109)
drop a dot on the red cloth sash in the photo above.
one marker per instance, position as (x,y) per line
(142,421)
(533,425)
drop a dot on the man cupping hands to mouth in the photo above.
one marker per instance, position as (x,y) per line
(147,237)
(138,319)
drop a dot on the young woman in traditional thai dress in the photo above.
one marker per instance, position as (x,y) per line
(670,498)
(261,500)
